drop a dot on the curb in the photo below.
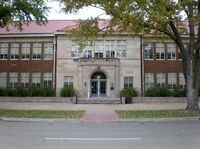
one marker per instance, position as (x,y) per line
(12,119)
(83,121)
(160,119)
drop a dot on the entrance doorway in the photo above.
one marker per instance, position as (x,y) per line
(98,85)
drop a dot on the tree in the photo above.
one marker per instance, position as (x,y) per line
(21,11)
(170,18)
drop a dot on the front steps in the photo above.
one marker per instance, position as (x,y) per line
(98,101)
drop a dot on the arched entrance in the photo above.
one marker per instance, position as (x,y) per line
(98,84)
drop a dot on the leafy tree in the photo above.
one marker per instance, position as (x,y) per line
(169,18)
(20,11)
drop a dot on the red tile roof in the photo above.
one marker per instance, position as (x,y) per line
(33,28)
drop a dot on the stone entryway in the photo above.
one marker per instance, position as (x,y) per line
(98,85)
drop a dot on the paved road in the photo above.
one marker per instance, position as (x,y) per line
(75,135)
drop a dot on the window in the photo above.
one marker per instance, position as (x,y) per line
(182,84)
(68,81)
(25,51)
(149,80)
(99,48)
(110,48)
(3,79)
(160,80)
(37,48)
(47,79)
(121,48)
(160,51)
(148,51)
(24,79)
(36,78)
(14,51)
(75,53)
(128,81)
(87,53)
(3,50)
(171,51)
(13,79)
(172,81)
(48,51)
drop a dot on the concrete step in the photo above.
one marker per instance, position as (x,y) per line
(98,101)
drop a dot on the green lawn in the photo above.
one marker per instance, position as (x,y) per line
(155,113)
(41,113)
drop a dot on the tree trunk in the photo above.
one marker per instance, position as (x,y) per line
(192,89)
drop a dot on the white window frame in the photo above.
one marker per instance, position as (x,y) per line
(3,79)
(24,79)
(171,51)
(68,81)
(25,51)
(172,81)
(48,51)
(148,51)
(128,81)
(3,51)
(37,51)
(13,79)
(160,51)
(14,51)
(160,80)
(121,48)
(36,79)
(47,79)
(182,83)
(149,80)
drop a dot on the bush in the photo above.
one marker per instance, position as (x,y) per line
(37,91)
(48,91)
(164,92)
(151,92)
(179,93)
(3,92)
(11,92)
(67,92)
(129,92)
(158,92)
(22,92)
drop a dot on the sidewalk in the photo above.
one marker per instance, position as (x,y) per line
(94,112)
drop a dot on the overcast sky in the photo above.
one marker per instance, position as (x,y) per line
(85,13)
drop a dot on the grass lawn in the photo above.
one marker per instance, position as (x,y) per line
(41,113)
(125,114)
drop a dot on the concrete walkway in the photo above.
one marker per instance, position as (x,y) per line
(94,112)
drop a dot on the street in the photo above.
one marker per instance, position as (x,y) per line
(82,135)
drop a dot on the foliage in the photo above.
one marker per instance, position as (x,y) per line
(24,92)
(67,91)
(151,92)
(155,113)
(42,113)
(179,93)
(21,11)
(169,19)
(129,92)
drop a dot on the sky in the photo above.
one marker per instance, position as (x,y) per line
(56,14)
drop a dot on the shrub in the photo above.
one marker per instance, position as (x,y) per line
(158,92)
(3,92)
(151,92)
(22,92)
(48,91)
(67,92)
(129,92)
(11,92)
(37,91)
(179,93)
(164,92)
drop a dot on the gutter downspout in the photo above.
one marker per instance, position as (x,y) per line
(55,63)
(142,65)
